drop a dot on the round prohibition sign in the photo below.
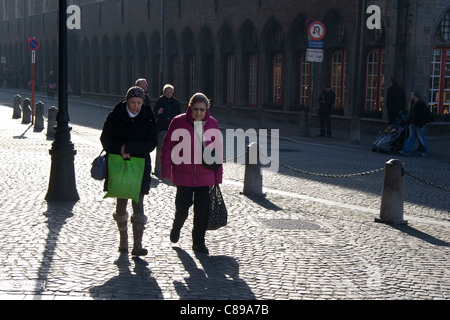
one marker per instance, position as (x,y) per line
(316,30)
(33,44)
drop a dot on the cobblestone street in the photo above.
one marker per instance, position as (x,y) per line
(309,237)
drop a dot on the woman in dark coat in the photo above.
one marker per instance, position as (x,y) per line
(130,131)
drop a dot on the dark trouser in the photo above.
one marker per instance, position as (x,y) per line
(199,196)
(325,124)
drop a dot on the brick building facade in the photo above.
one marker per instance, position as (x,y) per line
(244,53)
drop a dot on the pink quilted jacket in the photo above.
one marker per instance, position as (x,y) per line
(188,174)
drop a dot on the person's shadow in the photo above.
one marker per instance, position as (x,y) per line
(129,285)
(219,278)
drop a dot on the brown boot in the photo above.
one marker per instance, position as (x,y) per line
(138,232)
(122,225)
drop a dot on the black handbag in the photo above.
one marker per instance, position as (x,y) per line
(99,169)
(218,214)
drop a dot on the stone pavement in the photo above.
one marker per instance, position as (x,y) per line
(310,237)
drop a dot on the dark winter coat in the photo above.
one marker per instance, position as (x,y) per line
(395,101)
(420,114)
(171,110)
(326,101)
(138,134)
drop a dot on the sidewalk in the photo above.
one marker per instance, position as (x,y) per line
(306,239)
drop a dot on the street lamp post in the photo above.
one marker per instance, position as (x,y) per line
(62,186)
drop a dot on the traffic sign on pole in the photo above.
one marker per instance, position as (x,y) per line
(316,31)
(33,44)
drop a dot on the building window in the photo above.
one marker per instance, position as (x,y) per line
(253,80)
(375,70)
(440,81)
(277,82)
(338,67)
(305,81)
(445,27)
(231,70)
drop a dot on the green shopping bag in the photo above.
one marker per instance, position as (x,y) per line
(125,177)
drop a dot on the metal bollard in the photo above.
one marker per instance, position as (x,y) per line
(52,112)
(39,117)
(17,109)
(157,170)
(26,114)
(391,211)
(253,176)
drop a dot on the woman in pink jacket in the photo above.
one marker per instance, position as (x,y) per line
(181,163)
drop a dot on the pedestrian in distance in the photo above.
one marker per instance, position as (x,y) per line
(395,101)
(192,178)
(166,108)
(142,83)
(130,131)
(326,100)
(420,116)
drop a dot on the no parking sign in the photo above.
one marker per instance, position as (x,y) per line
(33,44)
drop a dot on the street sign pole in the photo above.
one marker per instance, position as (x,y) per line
(33,44)
(314,54)
(33,61)
(311,102)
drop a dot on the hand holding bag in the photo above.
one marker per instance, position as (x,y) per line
(99,169)
(218,214)
(125,177)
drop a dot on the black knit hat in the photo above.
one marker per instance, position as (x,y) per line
(135,92)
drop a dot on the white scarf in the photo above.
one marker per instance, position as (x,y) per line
(131,114)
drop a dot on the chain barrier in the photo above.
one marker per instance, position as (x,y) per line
(350,175)
(427,182)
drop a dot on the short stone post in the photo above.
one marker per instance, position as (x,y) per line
(157,170)
(303,121)
(17,109)
(39,117)
(391,211)
(355,130)
(253,176)
(26,114)
(51,122)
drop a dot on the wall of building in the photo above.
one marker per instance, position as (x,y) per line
(120,41)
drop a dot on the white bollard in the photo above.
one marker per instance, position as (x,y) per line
(253,176)
(391,211)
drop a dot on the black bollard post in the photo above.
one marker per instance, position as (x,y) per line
(39,117)
(17,109)
(26,114)
(51,122)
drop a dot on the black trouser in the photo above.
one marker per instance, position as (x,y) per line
(199,196)
(325,123)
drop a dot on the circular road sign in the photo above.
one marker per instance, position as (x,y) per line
(316,30)
(33,44)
